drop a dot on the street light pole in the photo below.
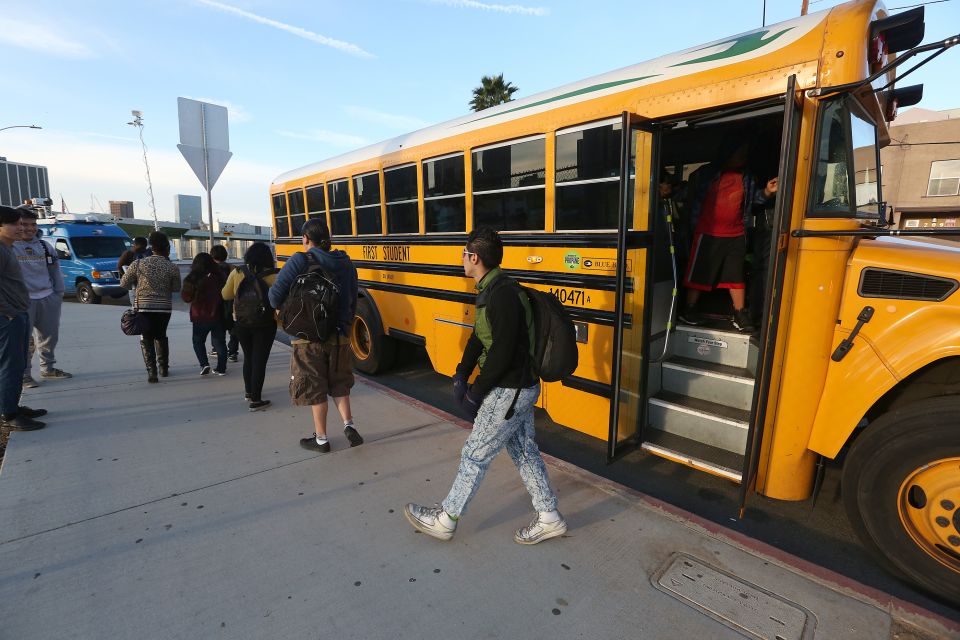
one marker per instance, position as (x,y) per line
(138,123)
(21,126)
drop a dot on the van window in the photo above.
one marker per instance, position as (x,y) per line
(97,247)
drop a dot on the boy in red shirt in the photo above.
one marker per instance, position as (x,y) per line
(726,194)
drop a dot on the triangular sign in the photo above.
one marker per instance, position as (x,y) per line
(217,159)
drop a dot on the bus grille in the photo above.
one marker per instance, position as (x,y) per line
(900,285)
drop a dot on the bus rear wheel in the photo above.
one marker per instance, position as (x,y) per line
(86,295)
(901,490)
(373,351)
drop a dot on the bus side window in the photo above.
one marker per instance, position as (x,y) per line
(338,197)
(444,196)
(280,215)
(298,212)
(588,177)
(509,185)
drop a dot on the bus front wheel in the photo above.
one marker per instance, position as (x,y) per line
(901,490)
(372,350)
(86,295)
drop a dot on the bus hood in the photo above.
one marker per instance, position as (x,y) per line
(931,256)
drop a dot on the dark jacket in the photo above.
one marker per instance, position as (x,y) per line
(339,265)
(505,361)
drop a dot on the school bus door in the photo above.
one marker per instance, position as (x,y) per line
(628,402)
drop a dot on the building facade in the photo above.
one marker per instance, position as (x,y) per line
(187,210)
(121,209)
(921,169)
(21,181)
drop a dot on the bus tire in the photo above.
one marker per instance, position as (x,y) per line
(901,491)
(85,293)
(373,352)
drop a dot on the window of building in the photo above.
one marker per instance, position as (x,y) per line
(338,197)
(316,204)
(508,185)
(588,176)
(280,215)
(298,213)
(400,191)
(944,178)
(366,202)
(444,196)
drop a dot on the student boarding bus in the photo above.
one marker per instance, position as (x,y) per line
(858,349)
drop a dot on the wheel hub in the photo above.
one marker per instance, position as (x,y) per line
(361,338)
(930,509)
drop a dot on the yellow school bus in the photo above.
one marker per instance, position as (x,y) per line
(858,351)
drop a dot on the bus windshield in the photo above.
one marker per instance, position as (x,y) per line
(847,146)
(98,247)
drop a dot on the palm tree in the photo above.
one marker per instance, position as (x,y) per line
(491,92)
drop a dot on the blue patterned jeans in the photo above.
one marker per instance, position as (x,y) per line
(491,433)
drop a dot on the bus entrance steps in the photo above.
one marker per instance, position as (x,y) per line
(701,410)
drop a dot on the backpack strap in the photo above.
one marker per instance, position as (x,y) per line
(524,332)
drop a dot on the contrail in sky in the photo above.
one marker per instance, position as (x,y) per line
(346,47)
(502,8)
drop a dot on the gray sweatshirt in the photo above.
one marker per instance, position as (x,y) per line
(14,299)
(41,270)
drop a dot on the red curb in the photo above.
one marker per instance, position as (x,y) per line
(817,573)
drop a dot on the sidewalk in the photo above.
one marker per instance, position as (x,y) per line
(170,511)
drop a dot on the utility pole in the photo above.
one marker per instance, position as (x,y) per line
(138,123)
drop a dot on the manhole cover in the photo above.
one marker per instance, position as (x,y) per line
(749,609)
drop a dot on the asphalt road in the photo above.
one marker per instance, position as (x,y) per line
(819,533)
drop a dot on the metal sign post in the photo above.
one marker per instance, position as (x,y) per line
(205,144)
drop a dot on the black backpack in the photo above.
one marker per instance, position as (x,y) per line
(312,307)
(251,305)
(555,338)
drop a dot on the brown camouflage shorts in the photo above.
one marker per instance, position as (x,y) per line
(318,369)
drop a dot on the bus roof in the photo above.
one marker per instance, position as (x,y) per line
(727,51)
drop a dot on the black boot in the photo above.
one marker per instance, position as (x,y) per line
(163,356)
(149,350)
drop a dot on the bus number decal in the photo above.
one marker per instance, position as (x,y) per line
(576,297)
(369,252)
(396,253)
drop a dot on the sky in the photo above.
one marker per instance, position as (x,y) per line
(307,80)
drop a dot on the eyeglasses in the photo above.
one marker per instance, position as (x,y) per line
(468,253)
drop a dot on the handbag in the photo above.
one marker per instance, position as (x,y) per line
(133,323)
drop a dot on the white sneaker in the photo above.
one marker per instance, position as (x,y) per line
(427,520)
(538,531)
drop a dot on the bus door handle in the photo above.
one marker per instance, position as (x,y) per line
(847,343)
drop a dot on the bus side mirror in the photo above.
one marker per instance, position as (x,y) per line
(63,255)
(889,215)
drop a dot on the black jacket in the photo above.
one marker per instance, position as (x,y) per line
(507,363)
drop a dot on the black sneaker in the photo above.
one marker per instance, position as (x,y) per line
(352,436)
(21,423)
(27,412)
(741,321)
(248,397)
(311,445)
(691,316)
(205,370)
(233,357)
(259,405)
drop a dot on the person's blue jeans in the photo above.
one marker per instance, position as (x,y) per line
(218,336)
(491,433)
(14,343)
